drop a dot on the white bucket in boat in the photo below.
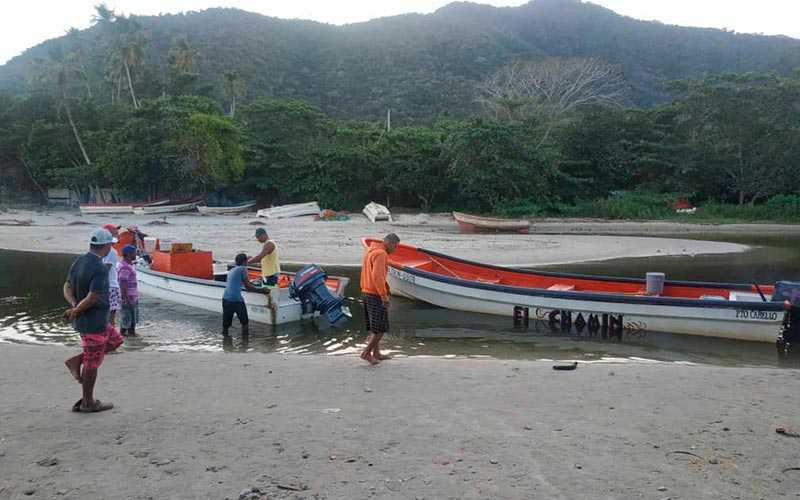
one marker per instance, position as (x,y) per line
(655,283)
(165,245)
(150,244)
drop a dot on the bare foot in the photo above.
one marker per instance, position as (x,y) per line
(75,370)
(382,357)
(369,358)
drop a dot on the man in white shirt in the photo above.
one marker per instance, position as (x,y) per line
(111,261)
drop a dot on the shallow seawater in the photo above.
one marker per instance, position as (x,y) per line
(417,329)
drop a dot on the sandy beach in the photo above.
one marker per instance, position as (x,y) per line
(303,240)
(196,425)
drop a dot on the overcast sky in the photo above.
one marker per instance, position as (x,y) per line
(25,23)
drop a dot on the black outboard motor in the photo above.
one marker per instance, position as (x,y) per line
(789,338)
(309,288)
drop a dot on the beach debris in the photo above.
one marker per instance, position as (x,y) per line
(493,461)
(790,469)
(570,366)
(78,223)
(330,411)
(292,486)
(528,428)
(158,222)
(215,468)
(578,466)
(251,493)
(257,223)
(367,389)
(48,462)
(160,462)
(16,222)
(684,452)
(305,455)
(662,488)
(12,299)
(29,492)
(786,432)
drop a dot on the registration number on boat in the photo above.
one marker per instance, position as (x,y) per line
(401,275)
(756,314)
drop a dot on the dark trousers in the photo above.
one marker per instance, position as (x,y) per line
(230,308)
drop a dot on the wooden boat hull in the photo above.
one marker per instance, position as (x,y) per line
(473,224)
(276,309)
(166,209)
(294,210)
(226,210)
(376,212)
(742,315)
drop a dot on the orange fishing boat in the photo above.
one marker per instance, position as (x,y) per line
(593,303)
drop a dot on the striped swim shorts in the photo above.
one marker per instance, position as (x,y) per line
(376,317)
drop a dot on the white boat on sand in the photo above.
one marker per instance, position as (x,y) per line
(273,309)
(233,210)
(376,212)
(115,208)
(168,209)
(587,305)
(293,210)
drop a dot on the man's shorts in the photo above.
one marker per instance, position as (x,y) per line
(270,281)
(129,316)
(114,298)
(376,316)
(96,345)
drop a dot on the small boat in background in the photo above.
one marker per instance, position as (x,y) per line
(187,206)
(591,305)
(376,212)
(474,224)
(233,210)
(293,210)
(116,208)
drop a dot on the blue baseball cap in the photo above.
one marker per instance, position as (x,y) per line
(128,249)
(101,236)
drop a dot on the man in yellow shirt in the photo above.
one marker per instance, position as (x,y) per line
(375,295)
(268,257)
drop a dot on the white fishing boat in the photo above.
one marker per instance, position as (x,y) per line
(574,303)
(189,206)
(474,224)
(273,309)
(376,212)
(233,210)
(115,208)
(293,210)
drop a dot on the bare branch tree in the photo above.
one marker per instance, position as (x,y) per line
(550,88)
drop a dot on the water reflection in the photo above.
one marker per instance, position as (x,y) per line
(417,329)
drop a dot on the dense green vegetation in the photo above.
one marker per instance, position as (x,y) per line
(159,123)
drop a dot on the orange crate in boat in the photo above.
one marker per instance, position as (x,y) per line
(194,264)
(181,248)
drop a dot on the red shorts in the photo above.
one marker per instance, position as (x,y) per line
(96,345)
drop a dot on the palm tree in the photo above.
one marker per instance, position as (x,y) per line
(233,86)
(59,71)
(127,47)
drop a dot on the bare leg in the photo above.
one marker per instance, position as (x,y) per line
(112,318)
(89,378)
(73,364)
(376,350)
(366,354)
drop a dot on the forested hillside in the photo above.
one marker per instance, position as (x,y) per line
(423,67)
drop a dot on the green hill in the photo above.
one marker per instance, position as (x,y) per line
(420,66)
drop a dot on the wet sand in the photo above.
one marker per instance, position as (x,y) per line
(303,240)
(205,425)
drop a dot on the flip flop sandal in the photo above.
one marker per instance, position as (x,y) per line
(97,407)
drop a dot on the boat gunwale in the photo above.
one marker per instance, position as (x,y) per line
(596,296)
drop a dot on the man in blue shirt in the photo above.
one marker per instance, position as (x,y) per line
(86,291)
(232,300)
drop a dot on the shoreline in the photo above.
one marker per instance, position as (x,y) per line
(295,426)
(338,244)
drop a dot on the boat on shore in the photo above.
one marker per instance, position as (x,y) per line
(474,224)
(591,304)
(187,206)
(274,309)
(376,212)
(116,208)
(232,210)
(292,210)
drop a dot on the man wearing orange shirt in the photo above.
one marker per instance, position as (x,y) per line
(375,295)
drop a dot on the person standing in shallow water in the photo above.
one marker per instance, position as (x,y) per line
(232,300)
(86,291)
(375,295)
(129,290)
